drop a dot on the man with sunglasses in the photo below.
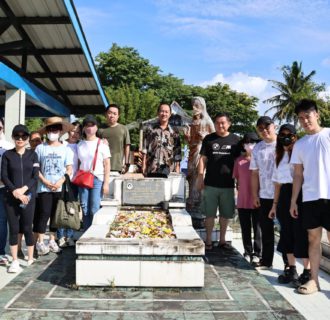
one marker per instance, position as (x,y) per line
(4,145)
(262,165)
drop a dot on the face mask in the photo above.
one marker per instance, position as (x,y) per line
(285,141)
(91,130)
(249,147)
(53,136)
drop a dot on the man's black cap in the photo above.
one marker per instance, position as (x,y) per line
(264,120)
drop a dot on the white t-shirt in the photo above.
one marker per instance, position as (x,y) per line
(86,152)
(74,149)
(313,152)
(4,146)
(284,172)
(263,160)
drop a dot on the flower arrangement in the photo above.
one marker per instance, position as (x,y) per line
(142,224)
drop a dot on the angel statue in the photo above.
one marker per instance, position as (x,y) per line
(201,126)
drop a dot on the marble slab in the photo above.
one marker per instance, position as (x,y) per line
(140,273)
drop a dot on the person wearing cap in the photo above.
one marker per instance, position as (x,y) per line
(248,214)
(90,199)
(19,173)
(293,238)
(217,159)
(262,166)
(55,161)
(118,138)
(4,145)
(311,160)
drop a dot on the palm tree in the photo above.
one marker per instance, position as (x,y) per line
(294,87)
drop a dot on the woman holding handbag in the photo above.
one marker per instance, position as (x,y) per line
(94,157)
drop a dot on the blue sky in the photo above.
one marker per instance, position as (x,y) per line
(239,42)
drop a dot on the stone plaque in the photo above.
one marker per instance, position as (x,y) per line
(143,192)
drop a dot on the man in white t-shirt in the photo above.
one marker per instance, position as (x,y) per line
(311,160)
(262,166)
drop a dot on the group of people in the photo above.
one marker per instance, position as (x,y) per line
(276,176)
(33,170)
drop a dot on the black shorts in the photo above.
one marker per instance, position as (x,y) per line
(316,214)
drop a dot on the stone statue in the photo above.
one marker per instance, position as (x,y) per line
(201,126)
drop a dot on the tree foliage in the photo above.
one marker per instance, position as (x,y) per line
(138,87)
(295,86)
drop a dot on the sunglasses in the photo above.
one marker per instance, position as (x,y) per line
(23,137)
(283,135)
(36,140)
(54,128)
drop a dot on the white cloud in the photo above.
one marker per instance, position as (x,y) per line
(326,62)
(325,94)
(243,82)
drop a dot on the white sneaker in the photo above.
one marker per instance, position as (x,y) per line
(53,247)
(14,267)
(4,260)
(62,243)
(42,249)
(255,260)
(70,242)
(29,262)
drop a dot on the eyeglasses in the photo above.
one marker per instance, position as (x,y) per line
(35,140)
(263,128)
(23,137)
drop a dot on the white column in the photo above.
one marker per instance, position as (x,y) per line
(14,110)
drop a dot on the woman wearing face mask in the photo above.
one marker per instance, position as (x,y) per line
(19,173)
(293,238)
(248,215)
(90,199)
(55,160)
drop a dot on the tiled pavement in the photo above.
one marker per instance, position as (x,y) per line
(233,290)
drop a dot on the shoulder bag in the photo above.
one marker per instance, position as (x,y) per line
(85,179)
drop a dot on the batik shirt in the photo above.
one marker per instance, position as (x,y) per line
(162,147)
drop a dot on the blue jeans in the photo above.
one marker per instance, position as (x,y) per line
(3,224)
(61,233)
(90,200)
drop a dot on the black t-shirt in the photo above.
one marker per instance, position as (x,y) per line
(220,159)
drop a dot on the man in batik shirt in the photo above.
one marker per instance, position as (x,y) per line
(162,147)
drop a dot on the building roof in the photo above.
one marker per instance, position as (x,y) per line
(43,42)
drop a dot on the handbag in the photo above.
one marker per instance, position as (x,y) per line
(85,179)
(67,209)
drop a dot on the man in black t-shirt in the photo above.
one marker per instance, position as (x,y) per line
(217,158)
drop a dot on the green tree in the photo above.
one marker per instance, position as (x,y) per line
(240,106)
(124,66)
(33,124)
(294,87)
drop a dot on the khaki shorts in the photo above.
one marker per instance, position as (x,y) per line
(222,198)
